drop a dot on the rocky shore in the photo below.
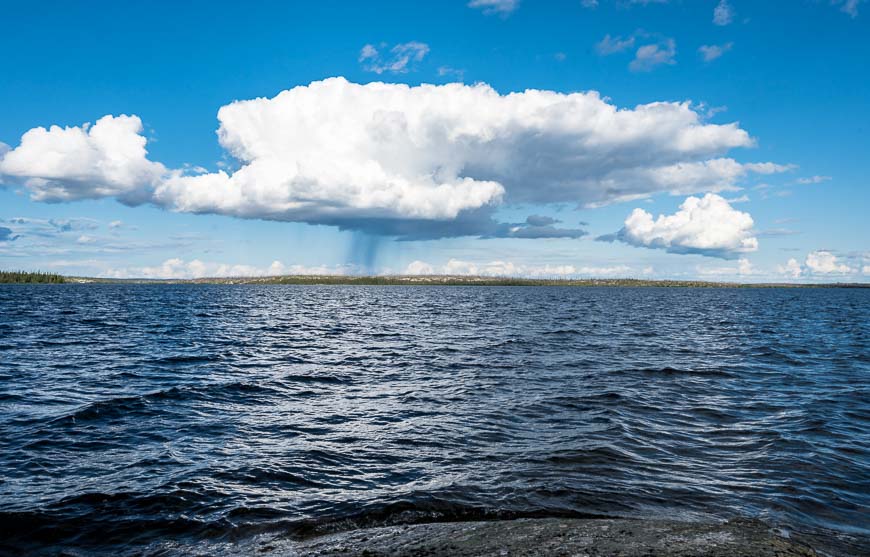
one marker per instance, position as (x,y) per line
(544,537)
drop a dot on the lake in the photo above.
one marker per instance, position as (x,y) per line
(131,414)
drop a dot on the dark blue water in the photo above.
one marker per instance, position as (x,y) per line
(134,414)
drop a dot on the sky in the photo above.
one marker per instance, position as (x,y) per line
(662,139)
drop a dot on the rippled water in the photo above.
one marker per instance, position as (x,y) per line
(130,414)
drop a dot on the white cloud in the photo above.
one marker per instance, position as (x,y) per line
(649,57)
(769,167)
(742,199)
(848,6)
(813,180)
(723,13)
(419,268)
(424,161)
(825,262)
(447,71)
(706,226)
(714,51)
(115,224)
(612,45)
(866,269)
(791,269)
(511,269)
(398,59)
(819,262)
(66,164)
(744,268)
(498,7)
(177,268)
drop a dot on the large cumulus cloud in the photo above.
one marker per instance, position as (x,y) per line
(707,225)
(107,159)
(423,161)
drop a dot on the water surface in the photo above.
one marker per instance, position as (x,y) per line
(133,414)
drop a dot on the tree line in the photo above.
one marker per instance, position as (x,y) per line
(25,277)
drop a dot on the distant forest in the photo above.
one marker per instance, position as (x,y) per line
(20,277)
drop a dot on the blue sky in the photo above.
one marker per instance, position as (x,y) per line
(562,183)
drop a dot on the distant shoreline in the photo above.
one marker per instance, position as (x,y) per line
(413,280)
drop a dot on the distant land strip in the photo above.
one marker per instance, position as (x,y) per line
(411,280)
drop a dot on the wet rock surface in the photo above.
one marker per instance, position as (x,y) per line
(575,537)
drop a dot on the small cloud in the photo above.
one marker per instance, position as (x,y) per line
(723,13)
(611,45)
(447,71)
(769,167)
(813,180)
(791,269)
(714,51)
(777,232)
(85,239)
(706,226)
(649,57)
(502,8)
(399,59)
(742,199)
(589,3)
(115,224)
(825,262)
(68,225)
(419,268)
(560,56)
(848,6)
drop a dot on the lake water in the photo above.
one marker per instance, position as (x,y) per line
(133,414)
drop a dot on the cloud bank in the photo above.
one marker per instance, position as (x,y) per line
(176,268)
(414,162)
(706,226)
(499,268)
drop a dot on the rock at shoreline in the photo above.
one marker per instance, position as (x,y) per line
(574,537)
